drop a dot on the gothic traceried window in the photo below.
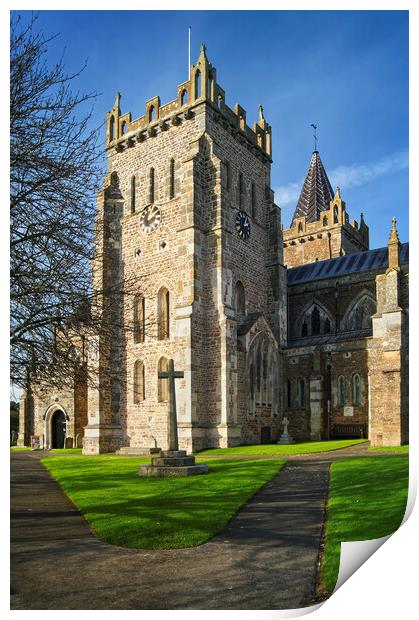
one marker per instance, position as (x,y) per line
(262,375)
(359,315)
(315,322)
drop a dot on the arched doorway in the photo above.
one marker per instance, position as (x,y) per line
(58,429)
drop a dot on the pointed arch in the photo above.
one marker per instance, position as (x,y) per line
(184,97)
(262,379)
(359,312)
(335,215)
(111,128)
(163,314)
(197,84)
(163,384)
(314,319)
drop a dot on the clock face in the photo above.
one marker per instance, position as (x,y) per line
(150,218)
(243,225)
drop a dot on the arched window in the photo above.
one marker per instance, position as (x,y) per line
(315,322)
(300,227)
(253,200)
(139,382)
(151,113)
(220,101)
(152,185)
(111,128)
(240,298)
(197,84)
(123,128)
(301,393)
(172,178)
(163,384)
(288,393)
(335,215)
(133,194)
(163,313)
(184,97)
(341,392)
(304,329)
(327,326)
(139,319)
(359,314)
(356,390)
(325,221)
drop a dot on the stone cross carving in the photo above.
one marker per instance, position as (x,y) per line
(171,375)
(286,422)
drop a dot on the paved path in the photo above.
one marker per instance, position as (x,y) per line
(265,558)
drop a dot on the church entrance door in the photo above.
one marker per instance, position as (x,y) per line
(58,429)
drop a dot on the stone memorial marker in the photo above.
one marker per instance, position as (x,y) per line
(285,437)
(172,462)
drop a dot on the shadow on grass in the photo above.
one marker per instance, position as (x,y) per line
(127,510)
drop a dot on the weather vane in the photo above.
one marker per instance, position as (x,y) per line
(315,135)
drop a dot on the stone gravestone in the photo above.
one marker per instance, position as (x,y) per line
(172,462)
(285,438)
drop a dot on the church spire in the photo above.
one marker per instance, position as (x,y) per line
(317,192)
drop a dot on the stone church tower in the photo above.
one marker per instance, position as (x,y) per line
(188,218)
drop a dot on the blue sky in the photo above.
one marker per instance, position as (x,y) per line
(346,71)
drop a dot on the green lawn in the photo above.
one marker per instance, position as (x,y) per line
(395,449)
(59,451)
(158,513)
(17,449)
(309,447)
(367,500)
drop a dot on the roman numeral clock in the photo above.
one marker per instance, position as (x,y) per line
(243,225)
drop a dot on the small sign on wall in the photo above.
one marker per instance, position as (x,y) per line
(348,411)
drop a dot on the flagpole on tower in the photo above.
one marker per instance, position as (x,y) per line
(189,53)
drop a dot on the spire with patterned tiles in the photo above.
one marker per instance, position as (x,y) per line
(317,192)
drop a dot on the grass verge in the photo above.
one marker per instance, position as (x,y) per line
(367,500)
(309,447)
(390,449)
(158,513)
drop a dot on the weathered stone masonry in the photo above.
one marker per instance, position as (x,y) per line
(192,263)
